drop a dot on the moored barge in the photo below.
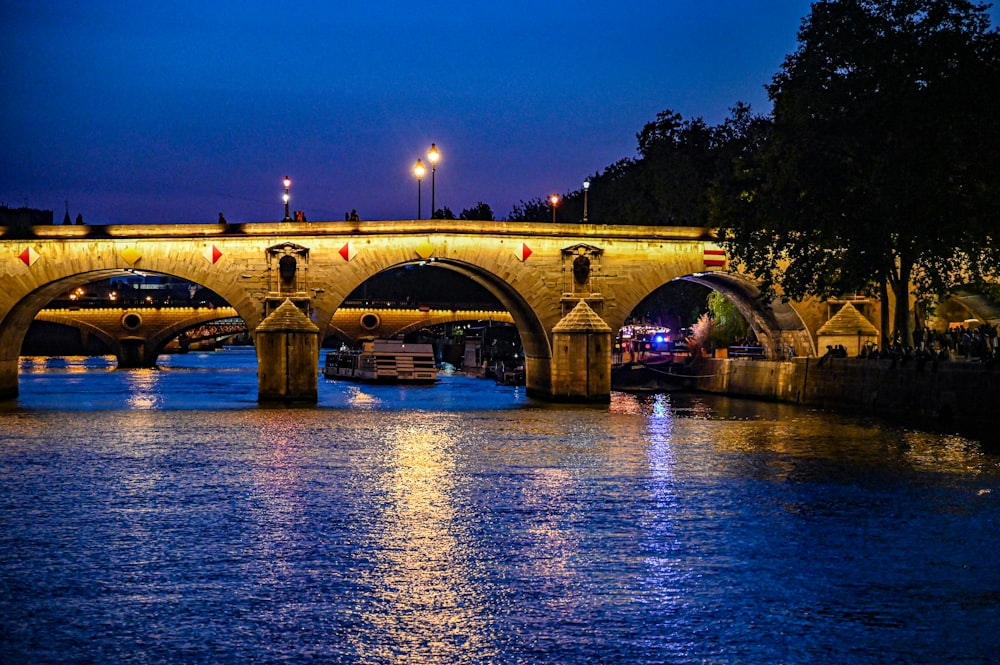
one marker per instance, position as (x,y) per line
(383,361)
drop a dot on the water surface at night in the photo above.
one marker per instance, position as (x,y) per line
(161,516)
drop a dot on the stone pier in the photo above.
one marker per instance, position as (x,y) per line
(287,357)
(581,358)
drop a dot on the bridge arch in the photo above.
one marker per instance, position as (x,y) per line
(351,323)
(967,304)
(443,318)
(137,335)
(157,343)
(778,325)
(95,331)
(23,312)
(524,314)
(54,283)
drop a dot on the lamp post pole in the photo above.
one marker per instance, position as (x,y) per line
(586,188)
(419,171)
(433,156)
(286,197)
(554,200)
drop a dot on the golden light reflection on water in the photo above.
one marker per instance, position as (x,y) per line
(277,500)
(948,454)
(358,398)
(67,364)
(142,388)
(554,542)
(428,609)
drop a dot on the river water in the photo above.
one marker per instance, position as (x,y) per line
(161,516)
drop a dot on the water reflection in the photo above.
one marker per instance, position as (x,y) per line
(952,454)
(276,506)
(552,541)
(66,364)
(434,529)
(668,574)
(142,386)
(360,398)
(426,607)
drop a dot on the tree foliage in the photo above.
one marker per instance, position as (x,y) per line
(479,212)
(533,210)
(666,184)
(878,170)
(729,327)
(676,304)
(879,167)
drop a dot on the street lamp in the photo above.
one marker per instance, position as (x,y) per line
(433,156)
(554,200)
(286,197)
(419,171)
(586,188)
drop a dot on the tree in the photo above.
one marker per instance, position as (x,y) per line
(676,304)
(677,166)
(479,212)
(443,213)
(729,327)
(880,168)
(669,183)
(535,210)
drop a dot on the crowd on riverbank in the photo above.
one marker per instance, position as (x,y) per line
(959,343)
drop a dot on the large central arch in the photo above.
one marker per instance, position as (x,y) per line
(534,340)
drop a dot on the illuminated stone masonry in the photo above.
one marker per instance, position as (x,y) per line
(538,271)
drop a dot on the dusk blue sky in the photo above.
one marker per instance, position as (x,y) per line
(175,111)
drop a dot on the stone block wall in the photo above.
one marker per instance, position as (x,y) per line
(958,396)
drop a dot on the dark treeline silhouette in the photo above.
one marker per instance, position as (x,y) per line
(877,172)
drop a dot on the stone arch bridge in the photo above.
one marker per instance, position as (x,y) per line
(136,334)
(540,273)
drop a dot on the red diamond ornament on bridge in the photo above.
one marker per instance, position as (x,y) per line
(522,253)
(348,251)
(29,256)
(212,254)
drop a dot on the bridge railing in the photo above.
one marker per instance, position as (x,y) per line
(379,303)
(751,352)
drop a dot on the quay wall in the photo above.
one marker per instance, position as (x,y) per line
(957,396)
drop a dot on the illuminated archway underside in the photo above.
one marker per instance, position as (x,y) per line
(777,324)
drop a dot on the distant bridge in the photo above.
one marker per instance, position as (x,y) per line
(138,335)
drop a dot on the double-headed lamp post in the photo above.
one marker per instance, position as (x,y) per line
(554,200)
(419,171)
(586,188)
(433,156)
(286,197)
